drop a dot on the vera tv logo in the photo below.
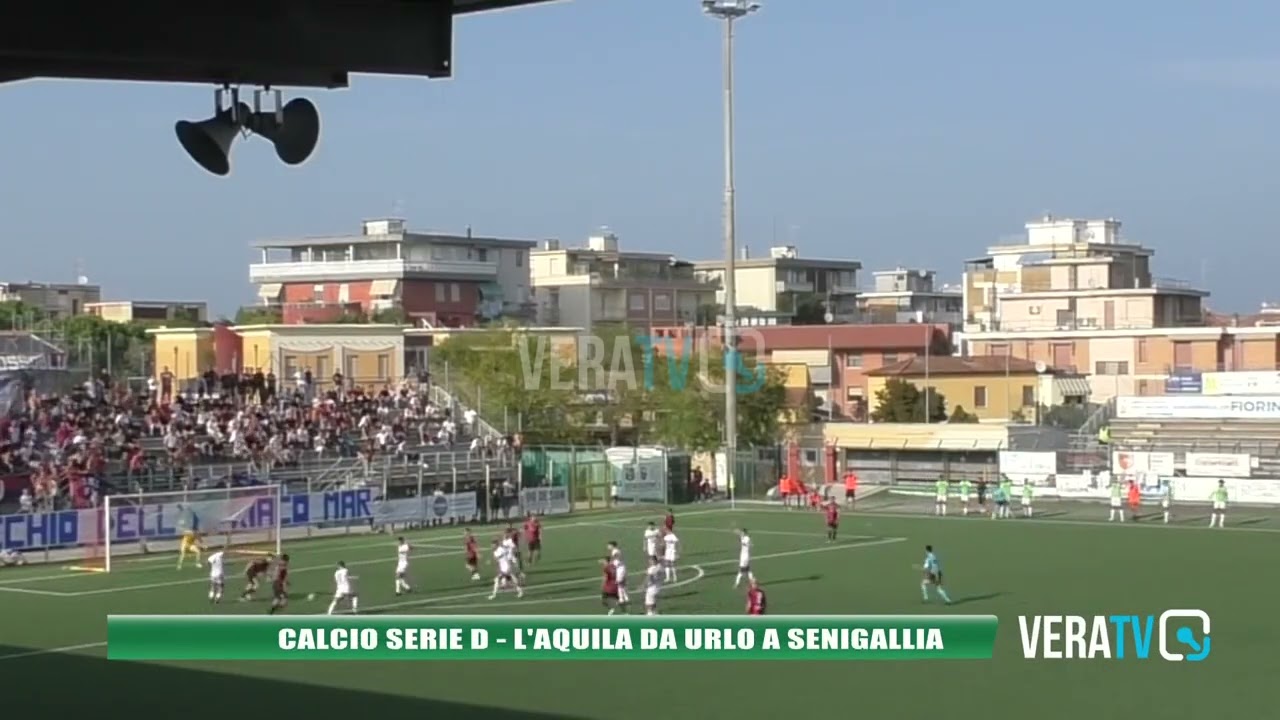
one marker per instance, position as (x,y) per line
(1179,635)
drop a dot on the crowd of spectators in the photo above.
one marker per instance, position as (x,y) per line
(65,450)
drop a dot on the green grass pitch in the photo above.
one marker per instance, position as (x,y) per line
(52,622)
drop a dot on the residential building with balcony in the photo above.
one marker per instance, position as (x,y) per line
(52,300)
(784,287)
(838,357)
(600,283)
(1080,298)
(904,295)
(154,312)
(431,278)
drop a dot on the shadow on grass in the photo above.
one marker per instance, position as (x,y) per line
(210,693)
(978,598)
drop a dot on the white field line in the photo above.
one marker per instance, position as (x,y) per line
(1021,521)
(29,591)
(788,533)
(472,595)
(320,543)
(699,573)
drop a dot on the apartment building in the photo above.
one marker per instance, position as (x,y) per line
(52,300)
(904,295)
(432,278)
(1079,297)
(782,287)
(600,283)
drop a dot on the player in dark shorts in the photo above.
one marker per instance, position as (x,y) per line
(533,533)
(256,570)
(472,553)
(833,520)
(609,590)
(982,493)
(280,586)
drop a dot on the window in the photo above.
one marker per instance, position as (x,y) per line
(1111,367)
(1142,350)
(290,366)
(635,301)
(482,254)
(1028,396)
(322,367)
(439,292)
(519,258)
(889,358)
(352,366)
(1033,310)
(318,292)
(455,292)
(384,367)
(980,396)
(344,293)
(853,360)
(662,303)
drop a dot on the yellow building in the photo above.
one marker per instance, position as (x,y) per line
(366,355)
(992,388)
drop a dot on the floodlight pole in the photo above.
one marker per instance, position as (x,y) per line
(729,11)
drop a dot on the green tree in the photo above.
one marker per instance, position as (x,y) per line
(960,415)
(900,401)
(389,316)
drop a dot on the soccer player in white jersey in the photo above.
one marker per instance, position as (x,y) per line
(513,552)
(217,576)
(652,586)
(670,553)
(619,573)
(506,576)
(744,558)
(402,567)
(1166,499)
(651,537)
(344,589)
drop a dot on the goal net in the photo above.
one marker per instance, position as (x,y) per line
(245,520)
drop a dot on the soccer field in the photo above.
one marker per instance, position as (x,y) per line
(1064,563)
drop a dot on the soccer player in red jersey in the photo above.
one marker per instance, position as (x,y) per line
(511,538)
(609,590)
(833,520)
(669,522)
(533,531)
(473,554)
(256,569)
(280,586)
(756,600)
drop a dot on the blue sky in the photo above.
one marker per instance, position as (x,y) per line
(890,132)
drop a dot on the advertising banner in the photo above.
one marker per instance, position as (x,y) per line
(1218,465)
(1199,407)
(545,500)
(639,474)
(166,521)
(1265,382)
(1019,465)
(1138,463)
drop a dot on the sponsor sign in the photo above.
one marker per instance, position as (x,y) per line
(22,362)
(1219,465)
(545,500)
(166,521)
(1184,384)
(1034,466)
(1199,407)
(1140,463)
(638,473)
(1242,491)
(1242,383)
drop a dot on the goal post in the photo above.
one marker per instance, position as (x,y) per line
(244,520)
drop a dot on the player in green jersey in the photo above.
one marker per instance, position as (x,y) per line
(1027,493)
(941,490)
(965,487)
(1219,498)
(1166,498)
(1117,501)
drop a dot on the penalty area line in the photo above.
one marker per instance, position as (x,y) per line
(53,651)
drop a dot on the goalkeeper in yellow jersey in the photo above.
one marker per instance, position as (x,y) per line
(189,545)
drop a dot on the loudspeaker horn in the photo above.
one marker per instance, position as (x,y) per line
(294,132)
(209,142)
